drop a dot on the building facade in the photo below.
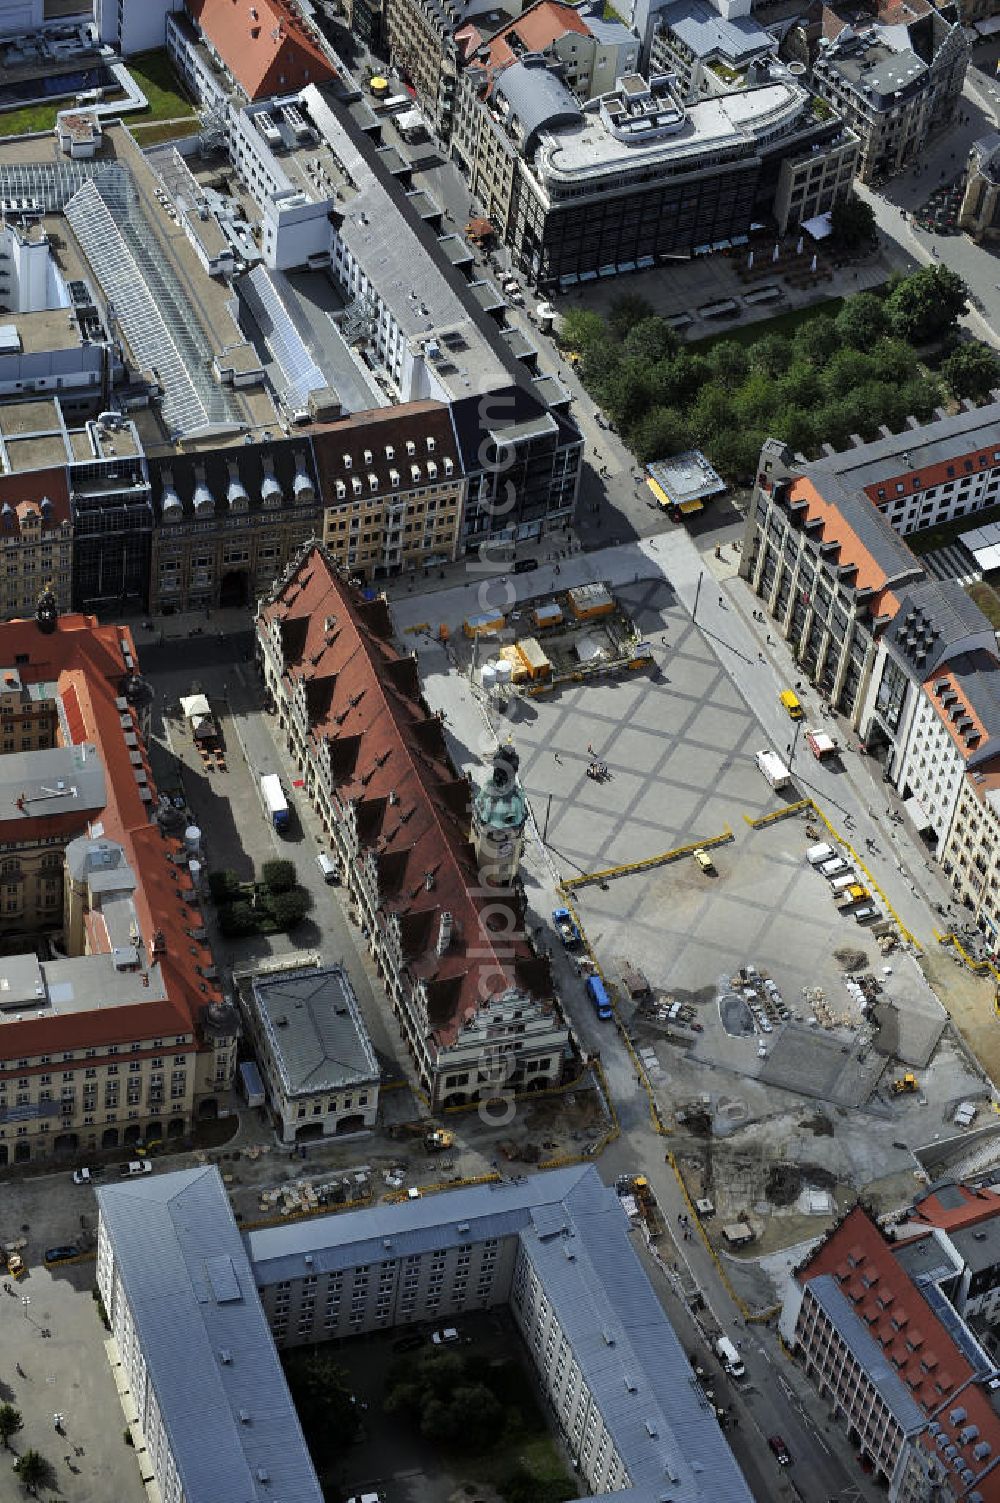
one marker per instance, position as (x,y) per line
(894,81)
(316,1058)
(124,1035)
(394,489)
(227,521)
(201,1385)
(375,767)
(639,176)
(979,214)
(36,539)
(904,1376)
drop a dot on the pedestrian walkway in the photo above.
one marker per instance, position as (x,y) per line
(953,561)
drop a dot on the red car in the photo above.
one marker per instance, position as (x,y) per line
(781,1452)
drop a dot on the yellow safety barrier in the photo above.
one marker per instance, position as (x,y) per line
(420,626)
(737,1299)
(570,884)
(978,967)
(776,814)
(841,840)
(395,1196)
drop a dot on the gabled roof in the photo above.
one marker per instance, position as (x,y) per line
(43,493)
(387,756)
(90,666)
(265,44)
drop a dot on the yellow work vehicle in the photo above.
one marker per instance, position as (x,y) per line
(905,1085)
(792,706)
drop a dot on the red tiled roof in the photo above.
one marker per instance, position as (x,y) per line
(87,664)
(20,491)
(977,1205)
(534,31)
(869,573)
(265,44)
(939,1377)
(387,754)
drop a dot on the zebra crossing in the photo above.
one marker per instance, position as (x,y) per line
(953,561)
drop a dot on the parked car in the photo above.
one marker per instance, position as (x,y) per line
(86,1176)
(445,1337)
(865,914)
(135,1166)
(60,1254)
(781,1452)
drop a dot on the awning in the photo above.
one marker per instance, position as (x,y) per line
(819,227)
(917,816)
(687,507)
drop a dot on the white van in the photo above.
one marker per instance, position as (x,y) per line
(729,1357)
(329,868)
(817,854)
(841,884)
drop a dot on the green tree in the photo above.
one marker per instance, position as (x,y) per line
(289,908)
(736,451)
(926,304)
(846,370)
(920,398)
(893,361)
(796,428)
(972,370)
(600,362)
(817,340)
(323,1396)
(710,414)
(757,400)
(650,340)
(625,392)
(676,382)
(10,1423)
(34,1471)
(626,311)
(862,321)
(801,385)
(728,362)
(580,329)
(469,1418)
(853,224)
(659,432)
(223,886)
(278,875)
(772,355)
(238,918)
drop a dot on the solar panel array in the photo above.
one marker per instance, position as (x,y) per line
(299,372)
(149,302)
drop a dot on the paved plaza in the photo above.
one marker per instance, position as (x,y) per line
(67,1373)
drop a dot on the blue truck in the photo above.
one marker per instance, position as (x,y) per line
(598,994)
(565,927)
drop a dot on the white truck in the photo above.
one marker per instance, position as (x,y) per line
(273,799)
(774,770)
(821,744)
(729,1357)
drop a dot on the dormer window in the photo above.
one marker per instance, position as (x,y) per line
(431,445)
(341,490)
(411,447)
(448,467)
(415,473)
(432,469)
(390,452)
(394,478)
(373,482)
(356,486)
(347,461)
(368,456)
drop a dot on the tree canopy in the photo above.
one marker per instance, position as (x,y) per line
(972,370)
(925,305)
(853,223)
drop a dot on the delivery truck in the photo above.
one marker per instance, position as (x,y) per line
(729,1357)
(274,801)
(774,769)
(822,745)
(601,1002)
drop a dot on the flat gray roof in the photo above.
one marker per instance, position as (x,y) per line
(937,442)
(574,1232)
(315,1030)
(205,1340)
(979,1245)
(56,780)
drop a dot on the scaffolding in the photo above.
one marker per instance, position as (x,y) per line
(148,300)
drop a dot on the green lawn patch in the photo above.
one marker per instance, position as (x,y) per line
(782,323)
(154,73)
(32,118)
(939,537)
(155,133)
(987,599)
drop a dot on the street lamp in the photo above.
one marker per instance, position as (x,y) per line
(25,1302)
